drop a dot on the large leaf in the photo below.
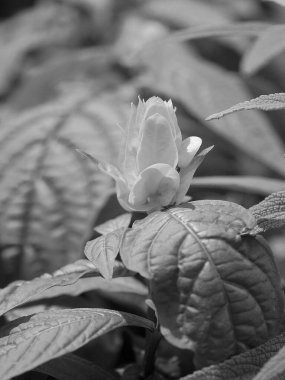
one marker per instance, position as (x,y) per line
(270,213)
(216,292)
(19,292)
(31,341)
(203,88)
(245,365)
(269,102)
(269,44)
(48,24)
(50,195)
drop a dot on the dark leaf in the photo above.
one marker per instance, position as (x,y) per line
(244,366)
(269,213)
(216,292)
(30,341)
(74,367)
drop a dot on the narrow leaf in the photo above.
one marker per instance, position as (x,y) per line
(103,251)
(114,224)
(20,292)
(247,184)
(216,291)
(270,213)
(30,341)
(243,366)
(269,44)
(233,29)
(74,367)
(269,102)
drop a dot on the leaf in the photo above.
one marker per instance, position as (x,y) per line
(102,252)
(233,29)
(185,13)
(39,27)
(202,88)
(280,2)
(269,102)
(274,369)
(20,292)
(49,204)
(74,367)
(270,213)
(30,341)
(121,221)
(216,292)
(269,44)
(247,184)
(243,366)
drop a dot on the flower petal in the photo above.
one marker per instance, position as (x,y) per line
(155,188)
(188,149)
(157,105)
(186,175)
(157,144)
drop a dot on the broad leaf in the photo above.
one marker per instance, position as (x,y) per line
(245,365)
(20,292)
(74,367)
(49,204)
(216,292)
(274,369)
(269,102)
(45,25)
(247,184)
(203,88)
(270,213)
(269,44)
(30,341)
(103,251)
(121,221)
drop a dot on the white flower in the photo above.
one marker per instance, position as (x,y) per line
(146,174)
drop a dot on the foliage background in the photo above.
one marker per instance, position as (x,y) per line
(68,72)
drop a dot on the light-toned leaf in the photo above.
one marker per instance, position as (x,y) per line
(30,341)
(216,292)
(269,44)
(19,292)
(244,366)
(121,221)
(185,13)
(74,367)
(203,88)
(270,213)
(232,29)
(49,195)
(247,184)
(271,102)
(102,252)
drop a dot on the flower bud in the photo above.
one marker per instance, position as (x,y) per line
(146,176)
